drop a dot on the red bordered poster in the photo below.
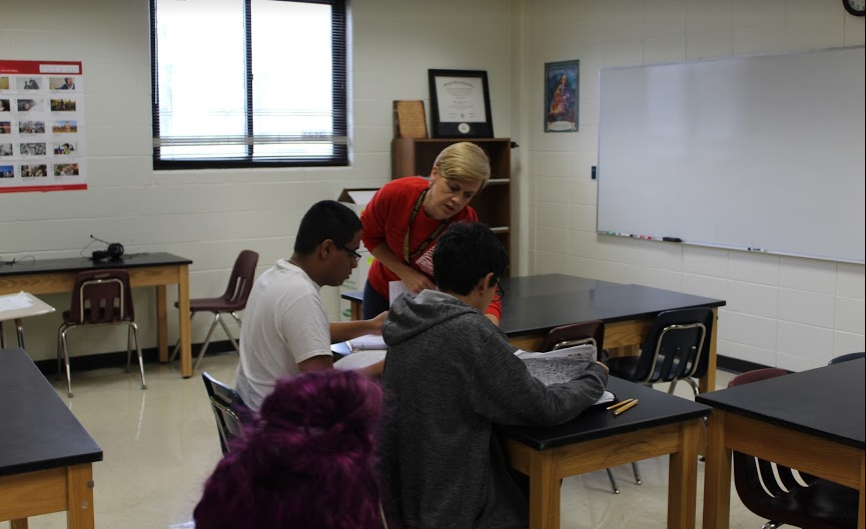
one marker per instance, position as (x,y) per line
(41,126)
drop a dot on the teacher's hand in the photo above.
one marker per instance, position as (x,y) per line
(415,281)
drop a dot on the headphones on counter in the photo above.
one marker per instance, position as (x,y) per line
(113,252)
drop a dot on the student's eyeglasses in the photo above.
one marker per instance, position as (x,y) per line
(353,254)
(499,293)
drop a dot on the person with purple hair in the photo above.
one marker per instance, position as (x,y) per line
(306,462)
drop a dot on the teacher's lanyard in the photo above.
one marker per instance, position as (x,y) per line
(408,258)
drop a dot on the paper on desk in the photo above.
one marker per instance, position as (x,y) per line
(360,359)
(395,288)
(367,342)
(15,302)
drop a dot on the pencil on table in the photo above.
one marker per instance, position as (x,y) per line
(618,404)
(628,406)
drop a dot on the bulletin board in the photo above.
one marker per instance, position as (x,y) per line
(762,154)
(41,126)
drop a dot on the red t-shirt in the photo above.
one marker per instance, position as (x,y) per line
(386,219)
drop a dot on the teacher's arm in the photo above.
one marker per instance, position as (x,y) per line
(415,281)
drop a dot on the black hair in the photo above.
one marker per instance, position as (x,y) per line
(327,219)
(465,253)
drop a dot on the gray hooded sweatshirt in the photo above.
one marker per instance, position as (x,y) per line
(450,375)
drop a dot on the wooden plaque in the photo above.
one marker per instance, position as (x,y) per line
(409,119)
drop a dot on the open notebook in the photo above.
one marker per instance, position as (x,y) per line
(562,365)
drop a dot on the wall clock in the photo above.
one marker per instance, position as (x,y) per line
(855,7)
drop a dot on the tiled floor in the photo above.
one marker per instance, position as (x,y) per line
(161,444)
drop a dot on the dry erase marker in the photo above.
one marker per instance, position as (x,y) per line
(752,249)
(628,406)
(647,237)
(672,239)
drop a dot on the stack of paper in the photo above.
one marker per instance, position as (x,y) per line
(368,342)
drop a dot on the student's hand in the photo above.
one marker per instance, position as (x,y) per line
(377,323)
(606,369)
(415,281)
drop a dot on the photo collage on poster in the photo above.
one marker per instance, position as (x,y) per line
(41,126)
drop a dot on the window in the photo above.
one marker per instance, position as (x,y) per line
(248,83)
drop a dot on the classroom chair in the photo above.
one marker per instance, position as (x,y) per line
(229,410)
(234,299)
(847,357)
(677,348)
(590,332)
(99,297)
(785,496)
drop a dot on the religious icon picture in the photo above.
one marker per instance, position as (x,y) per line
(561,82)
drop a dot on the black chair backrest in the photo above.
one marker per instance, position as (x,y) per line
(779,495)
(101,296)
(241,280)
(847,357)
(230,411)
(589,332)
(677,346)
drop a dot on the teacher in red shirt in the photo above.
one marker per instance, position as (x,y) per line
(406,217)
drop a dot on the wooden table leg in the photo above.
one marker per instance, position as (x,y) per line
(183,322)
(861,517)
(80,497)
(707,382)
(356,310)
(162,323)
(20,523)
(683,477)
(544,500)
(717,475)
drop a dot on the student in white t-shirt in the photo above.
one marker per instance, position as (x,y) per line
(286,330)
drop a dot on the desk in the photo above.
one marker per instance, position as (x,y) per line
(661,424)
(535,304)
(36,307)
(811,421)
(46,456)
(51,276)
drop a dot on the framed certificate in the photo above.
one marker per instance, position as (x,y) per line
(460,104)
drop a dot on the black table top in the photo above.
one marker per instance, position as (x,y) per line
(539,303)
(656,408)
(78,264)
(37,430)
(539,306)
(827,402)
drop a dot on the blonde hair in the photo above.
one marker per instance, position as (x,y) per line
(463,161)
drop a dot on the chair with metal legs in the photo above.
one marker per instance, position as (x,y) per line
(234,299)
(590,332)
(100,297)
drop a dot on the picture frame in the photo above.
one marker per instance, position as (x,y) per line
(460,104)
(561,96)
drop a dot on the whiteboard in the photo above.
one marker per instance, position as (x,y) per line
(763,153)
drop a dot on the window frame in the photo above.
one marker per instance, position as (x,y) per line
(339,137)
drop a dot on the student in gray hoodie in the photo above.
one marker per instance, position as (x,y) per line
(450,375)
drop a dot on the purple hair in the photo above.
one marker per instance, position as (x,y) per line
(307,461)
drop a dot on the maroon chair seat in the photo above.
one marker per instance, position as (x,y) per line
(779,496)
(99,297)
(234,299)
